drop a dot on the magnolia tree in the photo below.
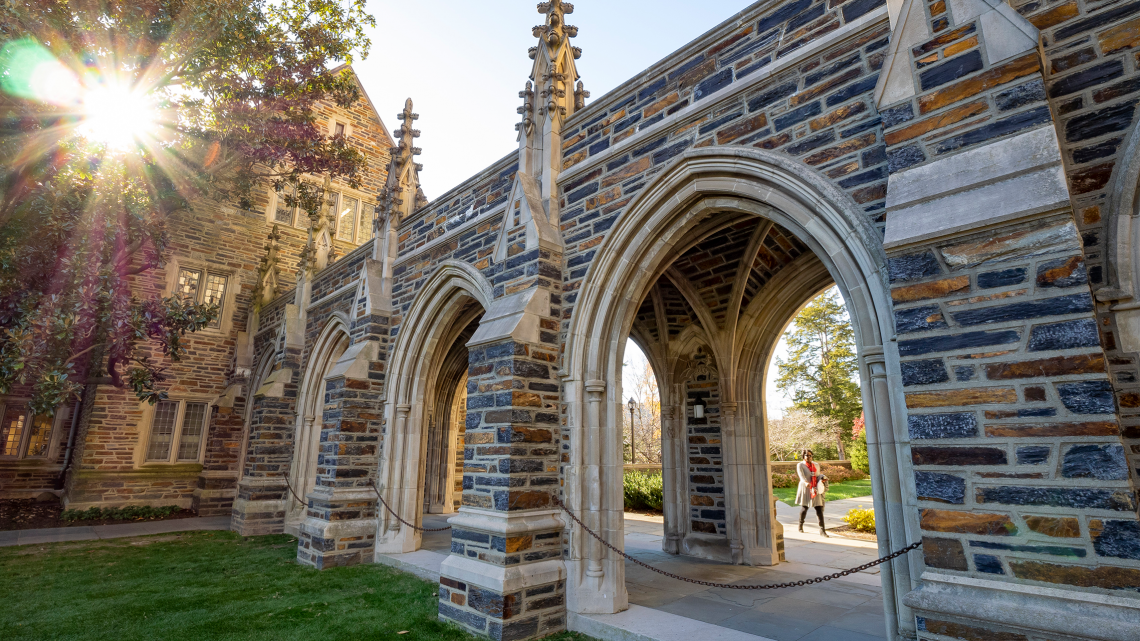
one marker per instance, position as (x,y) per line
(115,116)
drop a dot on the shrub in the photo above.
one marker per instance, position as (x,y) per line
(836,474)
(857,454)
(644,491)
(780,479)
(128,513)
(861,520)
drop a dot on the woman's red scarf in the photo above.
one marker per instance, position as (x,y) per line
(811,468)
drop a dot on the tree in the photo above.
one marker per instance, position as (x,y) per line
(821,364)
(116,115)
(646,430)
(799,429)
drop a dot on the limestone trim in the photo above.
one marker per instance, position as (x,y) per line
(437,313)
(1123,232)
(1029,608)
(699,184)
(718,98)
(332,343)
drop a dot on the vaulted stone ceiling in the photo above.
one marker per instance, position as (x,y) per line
(716,277)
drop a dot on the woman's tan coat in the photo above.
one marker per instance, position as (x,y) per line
(803,494)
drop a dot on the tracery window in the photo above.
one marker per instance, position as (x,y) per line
(190,287)
(177,431)
(23,435)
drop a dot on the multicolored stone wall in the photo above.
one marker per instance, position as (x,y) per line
(706,462)
(819,110)
(1018,461)
(1092,73)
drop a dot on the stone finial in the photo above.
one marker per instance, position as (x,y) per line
(527,125)
(402,185)
(555,31)
(267,270)
(580,95)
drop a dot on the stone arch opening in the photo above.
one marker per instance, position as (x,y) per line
(330,346)
(700,198)
(427,379)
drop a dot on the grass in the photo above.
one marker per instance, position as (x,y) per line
(208,585)
(837,491)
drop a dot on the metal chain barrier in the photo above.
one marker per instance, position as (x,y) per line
(767,586)
(299,499)
(393,513)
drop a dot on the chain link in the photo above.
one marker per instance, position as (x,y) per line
(393,513)
(767,586)
(299,499)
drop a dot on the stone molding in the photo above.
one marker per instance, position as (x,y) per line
(1006,181)
(1029,608)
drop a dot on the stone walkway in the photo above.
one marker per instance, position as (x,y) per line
(845,609)
(94,532)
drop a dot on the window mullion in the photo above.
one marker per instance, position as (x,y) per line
(176,437)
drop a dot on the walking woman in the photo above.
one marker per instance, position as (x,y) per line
(809,494)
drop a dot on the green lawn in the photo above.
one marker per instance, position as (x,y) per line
(837,491)
(207,585)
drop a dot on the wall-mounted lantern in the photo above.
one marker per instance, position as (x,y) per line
(699,409)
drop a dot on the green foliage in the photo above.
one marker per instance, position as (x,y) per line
(861,520)
(857,454)
(130,512)
(234,84)
(210,585)
(643,490)
(821,364)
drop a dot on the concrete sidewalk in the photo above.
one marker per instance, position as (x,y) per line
(95,532)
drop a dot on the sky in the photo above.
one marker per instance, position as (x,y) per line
(463,64)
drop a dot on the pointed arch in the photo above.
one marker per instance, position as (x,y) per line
(697,186)
(449,300)
(331,343)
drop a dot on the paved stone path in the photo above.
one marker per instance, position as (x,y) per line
(845,609)
(93,532)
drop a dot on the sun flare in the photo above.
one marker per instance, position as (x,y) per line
(117,116)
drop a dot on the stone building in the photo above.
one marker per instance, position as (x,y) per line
(186,451)
(965,173)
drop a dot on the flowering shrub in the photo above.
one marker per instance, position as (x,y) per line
(861,520)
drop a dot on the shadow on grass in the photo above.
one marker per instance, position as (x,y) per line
(208,585)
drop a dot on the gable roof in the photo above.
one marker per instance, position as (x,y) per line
(364,92)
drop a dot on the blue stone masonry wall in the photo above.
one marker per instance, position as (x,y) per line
(1019,464)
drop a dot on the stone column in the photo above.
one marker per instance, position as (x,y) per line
(505,577)
(672,471)
(340,524)
(882,455)
(736,489)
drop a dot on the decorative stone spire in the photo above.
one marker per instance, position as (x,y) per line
(400,194)
(267,273)
(548,99)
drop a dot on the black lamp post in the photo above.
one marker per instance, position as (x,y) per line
(632,445)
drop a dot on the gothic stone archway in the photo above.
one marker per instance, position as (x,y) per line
(700,186)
